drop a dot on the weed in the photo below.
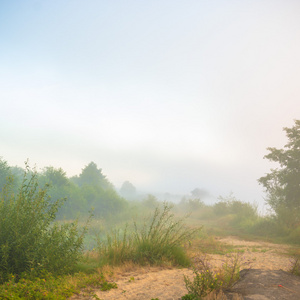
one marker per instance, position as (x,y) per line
(295,262)
(203,283)
(230,272)
(205,280)
(131,279)
(106,286)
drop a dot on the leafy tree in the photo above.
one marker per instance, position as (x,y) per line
(98,192)
(91,175)
(5,172)
(60,187)
(283,184)
(128,190)
(56,177)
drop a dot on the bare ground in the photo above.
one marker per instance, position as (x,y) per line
(168,284)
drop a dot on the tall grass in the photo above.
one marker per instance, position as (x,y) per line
(158,240)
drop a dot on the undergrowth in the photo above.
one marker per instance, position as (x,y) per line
(50,287)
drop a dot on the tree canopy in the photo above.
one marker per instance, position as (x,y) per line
(283,184)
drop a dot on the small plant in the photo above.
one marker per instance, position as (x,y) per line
(106,286)
(230,272)
(131,279)
(204,282)
(295,269)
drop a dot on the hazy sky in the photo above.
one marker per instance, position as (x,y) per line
(170,95)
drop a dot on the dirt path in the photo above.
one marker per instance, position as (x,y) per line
(168,284)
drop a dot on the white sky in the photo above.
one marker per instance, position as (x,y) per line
(170,95)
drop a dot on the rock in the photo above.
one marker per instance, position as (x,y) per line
(257,284)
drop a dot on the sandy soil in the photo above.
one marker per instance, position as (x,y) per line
(168,284)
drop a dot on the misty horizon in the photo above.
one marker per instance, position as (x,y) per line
(169,96)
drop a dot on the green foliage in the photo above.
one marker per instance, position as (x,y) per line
(91,175)
(98,193)
(28,237)
(203,283)
(5,173)
(241,215)
(206,280)
(282,184)
(231,205)
(55,177)
(117,248)
(50,287)
(44,287)
(191,204)
(231,270)
(159,240)
(162,238)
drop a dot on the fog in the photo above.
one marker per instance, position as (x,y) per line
(169,95)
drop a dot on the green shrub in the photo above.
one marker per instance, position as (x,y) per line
(203,283)
(29,238)
(206,280)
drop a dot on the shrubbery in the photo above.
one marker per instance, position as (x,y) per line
(29,239)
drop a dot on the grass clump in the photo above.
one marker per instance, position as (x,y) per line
(159,240)
(29,238)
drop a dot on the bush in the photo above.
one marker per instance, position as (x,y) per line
(203,283)
(28,237)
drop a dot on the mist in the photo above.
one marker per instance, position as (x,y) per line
(169,96)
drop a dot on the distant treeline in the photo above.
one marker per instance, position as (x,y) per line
(90,190)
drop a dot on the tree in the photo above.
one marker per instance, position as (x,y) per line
(55,177)
(98,191)
(283,184)
(5,172)
(128,190)
(91,175)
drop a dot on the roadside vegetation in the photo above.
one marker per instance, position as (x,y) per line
(60,235)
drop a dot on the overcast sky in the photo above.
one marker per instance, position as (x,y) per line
(170,95)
